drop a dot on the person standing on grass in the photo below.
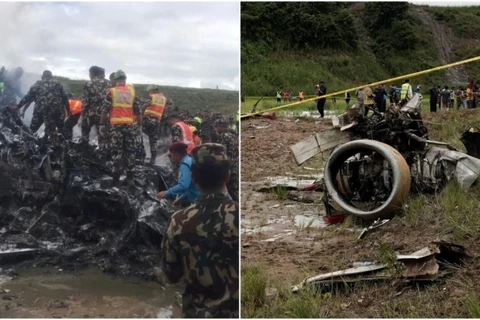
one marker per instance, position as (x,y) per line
(433,99)
(300,96)
(452,97)
(321,90)
(469,97)
(347,98)
(445,98)
(360,97)
(369,102)
(279,97)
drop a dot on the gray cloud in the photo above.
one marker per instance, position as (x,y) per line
(185,44)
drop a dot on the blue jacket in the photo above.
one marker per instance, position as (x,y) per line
(185,187)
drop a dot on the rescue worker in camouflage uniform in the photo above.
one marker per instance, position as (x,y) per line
(201,242)
(51,101)
(152,117)
(11,87)
(230,142)
(125,113)
(180,131)
(93,98)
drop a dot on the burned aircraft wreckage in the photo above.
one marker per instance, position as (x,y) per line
(58,207)
(388,157)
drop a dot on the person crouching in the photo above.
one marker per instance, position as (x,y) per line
(184,193)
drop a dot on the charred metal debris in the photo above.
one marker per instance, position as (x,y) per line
(389,155)
(58,206)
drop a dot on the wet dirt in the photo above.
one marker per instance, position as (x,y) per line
(270,235)
(52,293)
(288,253)
(280,234)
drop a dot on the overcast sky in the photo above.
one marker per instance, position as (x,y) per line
(182,44)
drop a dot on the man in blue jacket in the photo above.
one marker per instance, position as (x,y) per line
(184,192)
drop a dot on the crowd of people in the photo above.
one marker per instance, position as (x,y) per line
(203,149)
(463,97)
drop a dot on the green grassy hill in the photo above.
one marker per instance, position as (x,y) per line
(223,101)
(288,46)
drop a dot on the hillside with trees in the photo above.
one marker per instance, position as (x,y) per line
(293,46)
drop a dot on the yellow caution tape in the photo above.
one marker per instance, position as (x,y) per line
(362,86)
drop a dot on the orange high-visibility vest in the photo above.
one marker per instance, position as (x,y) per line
(187,136)
(75,106)
(157,105)
(122,105)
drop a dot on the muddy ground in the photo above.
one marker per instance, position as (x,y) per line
(89,293)
(288,251)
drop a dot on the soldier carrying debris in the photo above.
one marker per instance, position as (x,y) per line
(153,112)
(50,102)
(206,259)
(93,97)
(125,112)
(230,142)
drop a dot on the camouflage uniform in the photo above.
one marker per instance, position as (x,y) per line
(176,133)
(94,93)
(50,100)
(122,139)
(230,141)
(201,246)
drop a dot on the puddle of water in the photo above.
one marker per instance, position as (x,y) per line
(303,221)
(87,292)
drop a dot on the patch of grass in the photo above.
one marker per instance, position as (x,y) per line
(282,304)
(254,283)
(193,99)
(461,209)
(472,304)
(388,257)
(416,211)
(280,193)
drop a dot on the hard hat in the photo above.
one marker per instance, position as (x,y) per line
(152,87)
(119,75)
(198,119)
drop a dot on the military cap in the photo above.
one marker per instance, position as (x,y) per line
(209,153)
(152,87)
(119,75)
(178,147)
